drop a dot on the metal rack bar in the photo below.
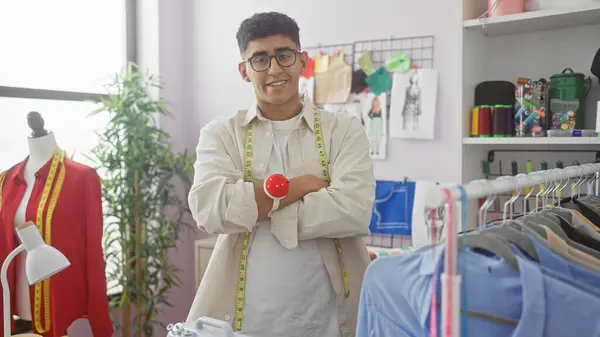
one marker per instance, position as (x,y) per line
(478,189)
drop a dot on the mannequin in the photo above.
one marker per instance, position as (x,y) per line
(42,146)
(63,198)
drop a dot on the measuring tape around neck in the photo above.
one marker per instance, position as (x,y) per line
(43,288)
(243,266)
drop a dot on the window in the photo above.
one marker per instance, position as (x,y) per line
(67,45)
(75,132)
(55,55)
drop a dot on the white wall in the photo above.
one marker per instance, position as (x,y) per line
(218,90)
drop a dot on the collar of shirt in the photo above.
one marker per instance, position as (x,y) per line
(306,113)
(17,172)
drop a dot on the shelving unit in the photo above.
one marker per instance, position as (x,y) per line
(537,20)
(532,141)
(535,45)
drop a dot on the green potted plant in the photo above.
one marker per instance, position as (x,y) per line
(143,188)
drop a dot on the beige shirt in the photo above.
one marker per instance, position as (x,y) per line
(558,243)
(222,203)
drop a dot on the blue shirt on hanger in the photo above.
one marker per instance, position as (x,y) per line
(557,263)
(396,297)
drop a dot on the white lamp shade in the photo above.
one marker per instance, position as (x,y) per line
(43,262)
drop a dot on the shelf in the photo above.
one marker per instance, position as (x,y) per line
(532,141)
(545,19)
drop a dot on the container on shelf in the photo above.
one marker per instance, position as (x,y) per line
(505,7)
(567,100)
(530,116)
(548,4)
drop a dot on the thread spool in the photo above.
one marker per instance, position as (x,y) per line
(498,121)
(510,121)
(475,122)
(485,121)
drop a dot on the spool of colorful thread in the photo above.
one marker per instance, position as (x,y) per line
(475,122)
(510,121)
(485,121)
(499,121)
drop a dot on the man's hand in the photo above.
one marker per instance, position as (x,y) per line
(299,187)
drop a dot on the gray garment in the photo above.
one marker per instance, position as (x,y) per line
(551,218)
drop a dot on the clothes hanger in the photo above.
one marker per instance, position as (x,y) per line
(482,214)
(552,220)
(541,192)
(531,188)
(514,236)
(491,244)
(543,241)
(569,202)
(560,225)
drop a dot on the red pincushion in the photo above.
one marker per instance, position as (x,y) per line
(372,255)
(277,186)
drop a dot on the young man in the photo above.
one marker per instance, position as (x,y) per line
(292,269)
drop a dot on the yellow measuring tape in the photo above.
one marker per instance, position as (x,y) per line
(2,177)
(243,266)
(46,232)
(58,158)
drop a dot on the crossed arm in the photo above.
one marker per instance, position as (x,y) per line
(222,203)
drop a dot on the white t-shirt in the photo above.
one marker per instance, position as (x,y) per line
(288,291)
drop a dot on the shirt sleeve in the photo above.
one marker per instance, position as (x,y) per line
(98,312)
(220,201)
(373,323)
(344,208)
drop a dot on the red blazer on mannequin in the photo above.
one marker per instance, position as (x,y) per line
(76,231)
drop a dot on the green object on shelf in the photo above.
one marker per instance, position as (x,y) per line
(568,92)
(544,165)
(576,163)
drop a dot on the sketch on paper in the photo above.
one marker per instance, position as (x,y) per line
(307,86)
(414,100)
(374,115)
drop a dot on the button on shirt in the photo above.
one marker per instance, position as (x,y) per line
(396,297)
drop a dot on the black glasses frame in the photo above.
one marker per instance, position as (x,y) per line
(271,57)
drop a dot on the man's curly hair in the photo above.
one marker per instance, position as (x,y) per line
(263,25)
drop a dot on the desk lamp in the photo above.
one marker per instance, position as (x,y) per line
(42,262)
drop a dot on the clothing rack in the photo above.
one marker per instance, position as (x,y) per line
(449,197)
(483,188)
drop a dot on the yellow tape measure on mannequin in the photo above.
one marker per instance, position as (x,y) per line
(46,232)
(243,266)
(2,177)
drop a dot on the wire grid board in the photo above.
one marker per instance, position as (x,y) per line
(331,49)
(419,48)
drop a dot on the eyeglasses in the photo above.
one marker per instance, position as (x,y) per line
(285,58)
